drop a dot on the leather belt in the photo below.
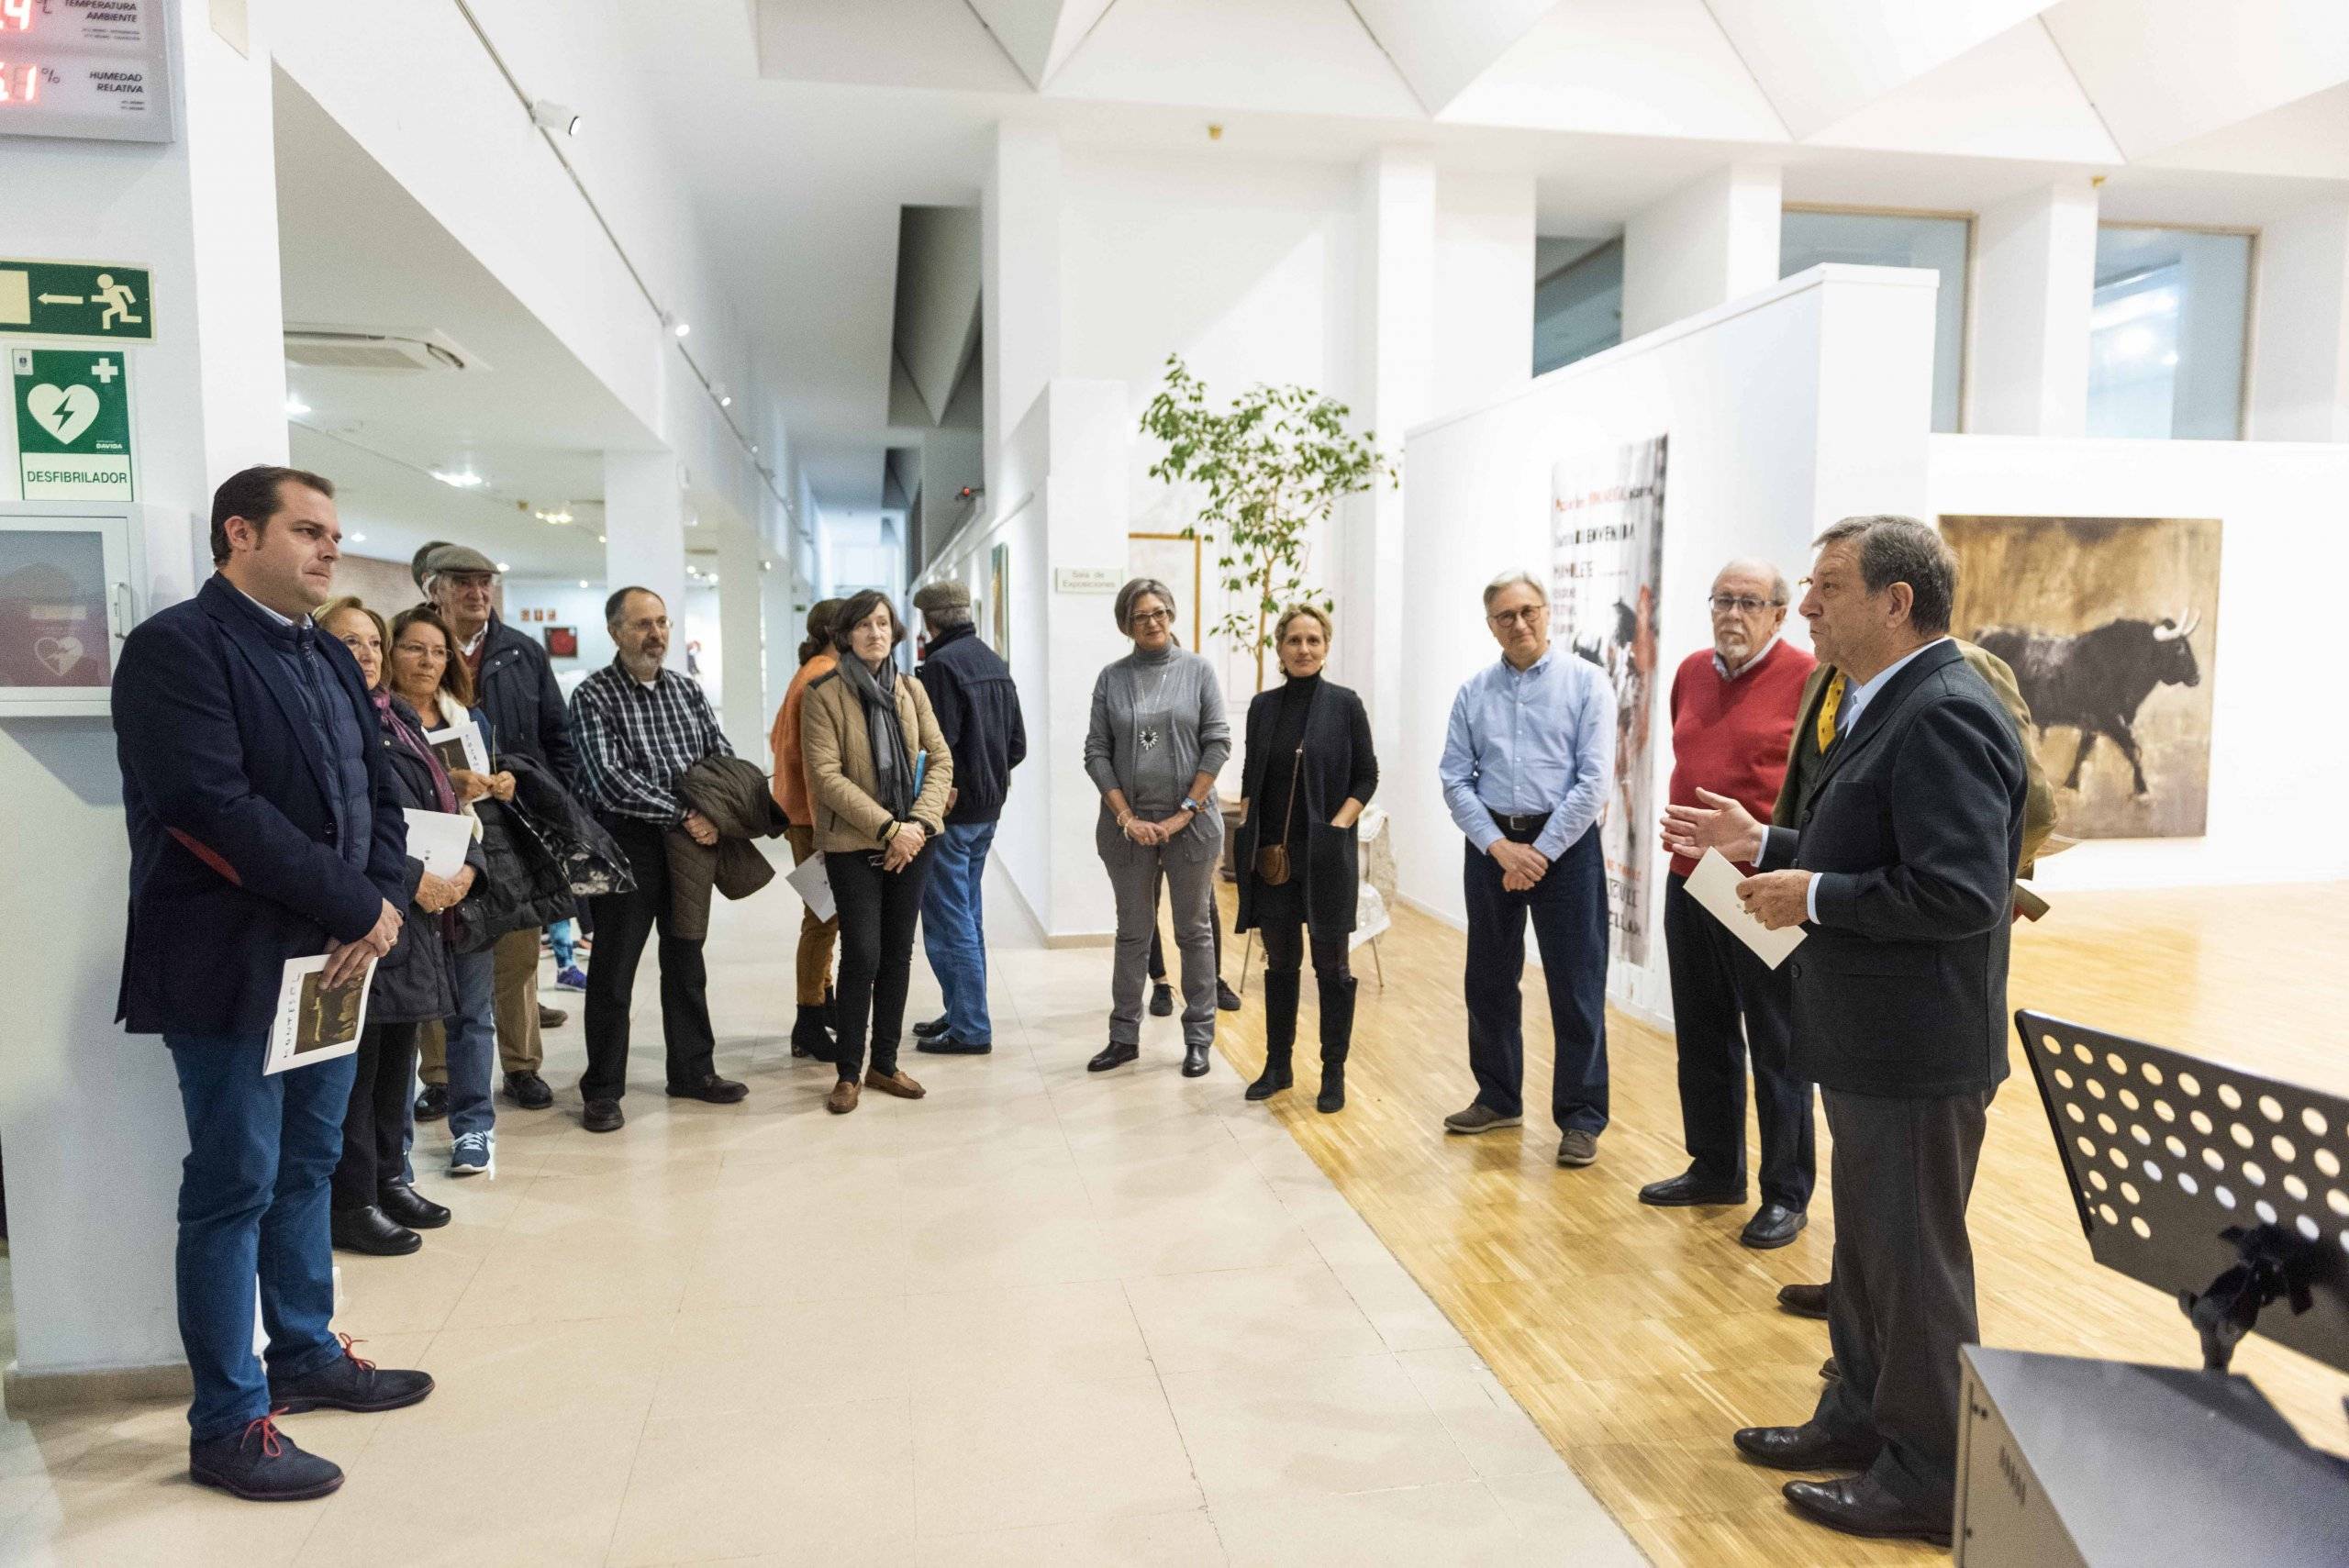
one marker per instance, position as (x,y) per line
(1523,829)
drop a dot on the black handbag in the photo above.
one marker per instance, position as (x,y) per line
(1272,865)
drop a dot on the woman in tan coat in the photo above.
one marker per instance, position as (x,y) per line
(880,772)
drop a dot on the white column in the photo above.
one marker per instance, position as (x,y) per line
(2300,351)
(644,533)
(1019,214)
(2034,286)
(89,1116)
(741,630)
(1398,281)
(1704,245)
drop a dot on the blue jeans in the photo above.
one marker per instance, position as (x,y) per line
(564,937)
(472,1045)
(953,928)
(254,1199)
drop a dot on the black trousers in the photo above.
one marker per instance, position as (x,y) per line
(1728,1003)
(1568,907)
(878,911)
(1903,1296)
(1281,921)
(623,922)
(374,1124)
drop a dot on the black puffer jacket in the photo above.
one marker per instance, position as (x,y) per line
(415,982)
(544,852)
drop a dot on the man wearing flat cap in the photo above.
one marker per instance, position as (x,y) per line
(970,691)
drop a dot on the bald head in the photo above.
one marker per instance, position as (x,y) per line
(1749,606)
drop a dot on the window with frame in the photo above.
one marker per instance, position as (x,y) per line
(2167,332)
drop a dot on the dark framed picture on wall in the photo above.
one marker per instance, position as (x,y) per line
(562,641)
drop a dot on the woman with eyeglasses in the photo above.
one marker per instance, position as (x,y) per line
(1307,773)
(1158,738)
(374,1208)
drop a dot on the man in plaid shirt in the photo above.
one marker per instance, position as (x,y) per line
(637,727)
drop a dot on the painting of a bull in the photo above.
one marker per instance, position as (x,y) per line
(2110,626)
(2096,682)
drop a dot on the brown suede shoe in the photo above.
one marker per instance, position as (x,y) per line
(843,1097)
(895,1084)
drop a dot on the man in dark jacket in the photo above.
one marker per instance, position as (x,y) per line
(514,686)
(262,829)
(1901,867)
(971,690)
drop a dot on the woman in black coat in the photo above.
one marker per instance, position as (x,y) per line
(375,1209)
(1308,772)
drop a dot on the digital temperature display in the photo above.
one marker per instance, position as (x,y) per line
(86,68)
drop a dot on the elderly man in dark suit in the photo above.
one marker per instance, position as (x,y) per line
(263,828)
(1902,866)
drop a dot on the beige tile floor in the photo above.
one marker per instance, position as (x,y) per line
(1036,1318)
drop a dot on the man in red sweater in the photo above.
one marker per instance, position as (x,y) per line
(1733,709)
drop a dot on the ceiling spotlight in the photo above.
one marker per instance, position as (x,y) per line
(673,325)
(502,567)
(583,581)
(463,479)
(294,406)
(562,119)
(355,539)
(600,538)
(558,516)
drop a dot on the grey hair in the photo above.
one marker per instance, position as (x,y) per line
(1135,590)
(1510,580)
(1894,549)
(1777,579)
(949,617)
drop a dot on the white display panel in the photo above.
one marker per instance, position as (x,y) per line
(66,602)
(98,68)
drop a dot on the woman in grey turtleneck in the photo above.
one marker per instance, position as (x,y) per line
(1158,738)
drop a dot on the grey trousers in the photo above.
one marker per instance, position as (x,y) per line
(1902,1300)
(1135,873)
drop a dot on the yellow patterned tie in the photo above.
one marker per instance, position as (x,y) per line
(1827,707)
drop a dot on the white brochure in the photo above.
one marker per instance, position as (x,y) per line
(814,885)
(1714,885)
(315,1024)
(439,839)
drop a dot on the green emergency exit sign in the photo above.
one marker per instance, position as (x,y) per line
(76,299)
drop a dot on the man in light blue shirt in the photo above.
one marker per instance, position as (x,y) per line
(1528,758)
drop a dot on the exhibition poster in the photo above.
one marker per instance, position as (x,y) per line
(1606,557)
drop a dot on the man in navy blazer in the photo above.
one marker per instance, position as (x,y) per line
(1900,868)
(261,829)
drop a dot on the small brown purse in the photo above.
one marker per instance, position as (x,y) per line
(1272,865)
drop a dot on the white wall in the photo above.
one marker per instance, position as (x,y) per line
(1711,241)
(1781,409)
(2034,284)
(2299,352)
(2284,553)
(571,605)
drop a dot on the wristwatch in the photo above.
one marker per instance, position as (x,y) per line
(1195,808)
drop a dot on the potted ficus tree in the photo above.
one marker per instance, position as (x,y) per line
(1277,460)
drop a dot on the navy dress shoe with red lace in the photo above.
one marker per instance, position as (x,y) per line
(260,1464)
(350,1382)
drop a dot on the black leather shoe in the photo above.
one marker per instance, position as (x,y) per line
(603,1116)
(1227,1000)
(1162,1000)
(528,1091)
(1688,1190)
(1195,1061)
(403,1205)
(1803,1300)
(262,1464)
(1277,1076)
(930,1027)
(433,1104)
(1808,1446)
(947,1045)
(551,1017)
(717,1091)
(1113,1055)
(1858,1506)
(371,1231)
(1773,1224)
(347,1383)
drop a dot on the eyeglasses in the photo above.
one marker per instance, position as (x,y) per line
(1743,604)
(425,650)
(1150,617)
(1513,618)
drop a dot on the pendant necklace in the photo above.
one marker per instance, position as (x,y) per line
(1147,735)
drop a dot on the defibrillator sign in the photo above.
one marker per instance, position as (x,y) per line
(72,425)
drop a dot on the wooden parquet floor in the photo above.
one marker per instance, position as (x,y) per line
(1640,1338)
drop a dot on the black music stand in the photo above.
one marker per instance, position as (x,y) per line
(2226,1189)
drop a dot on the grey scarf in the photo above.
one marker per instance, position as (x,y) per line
(891,776)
